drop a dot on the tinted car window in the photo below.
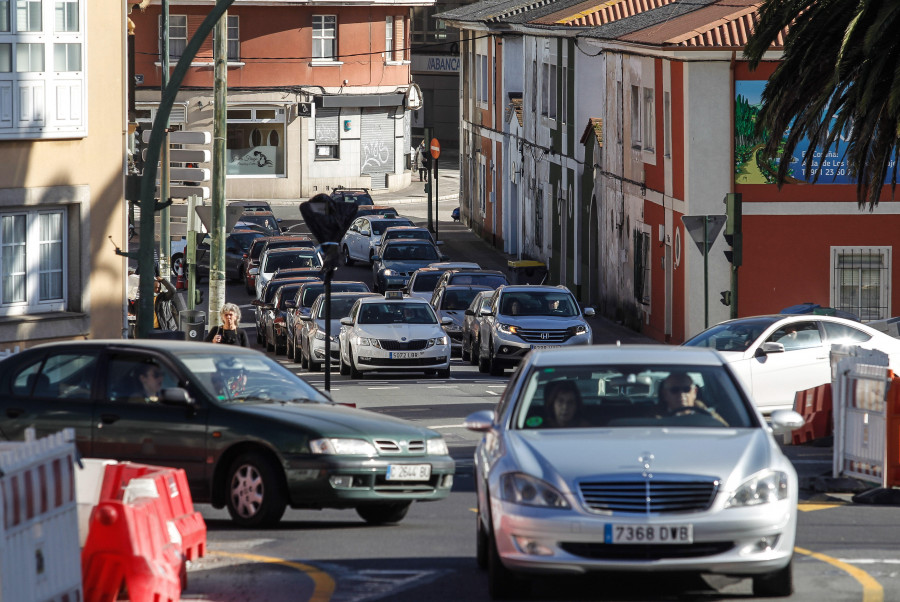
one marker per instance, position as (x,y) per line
(400,252)
(287,292)
(340,308)
(841,333)
(491,280)
(732,336)
(797,335)
(243,240)
(310,293)
(538,303)
(416,234)
(426,282)
(266,221)
(67,375)
(290,260)
(458,298)
(396,313)
(379,226)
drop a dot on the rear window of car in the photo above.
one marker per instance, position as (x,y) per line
(282,261)
(416,234)
(245,239)
(379,226)
(426,282)
(399,251)
(491,280)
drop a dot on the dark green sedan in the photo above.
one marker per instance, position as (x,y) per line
(251,435)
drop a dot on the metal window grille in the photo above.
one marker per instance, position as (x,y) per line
(861,282)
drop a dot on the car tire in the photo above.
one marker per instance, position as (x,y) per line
(259,339)
(464,353)
(348,261)
(177,263)
(502,583)
(256,495)
(300,357)
(269,345)
(778,584)
(494,367)
(279,349)
(345,369)
(312,365)
(250,290)
(476,350)
(354,373)
(381,514)
(482,542)
(444,373)
(484,363)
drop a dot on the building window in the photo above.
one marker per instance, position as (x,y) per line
(425,28)
(28,15)
(539,219)
(4,16)
(31,257)
(635,116)
(648,122)
(5,58)
(482,77)
(255,142)
(67,57)
(667,124)
(545,77)
(234,39)
(178,29)
(66,15)
(564,105)
(482,188)
(548,91)
(642,267)
(29,58)
(860,281)
(324,37)
(328,137)
(393,39)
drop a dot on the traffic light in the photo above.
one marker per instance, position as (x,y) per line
(733,233)
(726,298)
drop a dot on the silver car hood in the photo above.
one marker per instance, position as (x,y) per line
(402,332)
(542,322)
(564,456)
(457,315)
(335,326)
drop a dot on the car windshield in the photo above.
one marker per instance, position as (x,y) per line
(409,252)
(287,292)
(340,308)
(426,281)
(458,298)
(282,261)
(272,287)
(231,377)
(491,280)
(736,335)
(266,221)
(538,303)
(378,227)
(396,313)
(310,293)
(244,239)
(359,198)
(415,234)
(622,396)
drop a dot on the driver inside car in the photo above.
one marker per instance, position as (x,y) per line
(678,394)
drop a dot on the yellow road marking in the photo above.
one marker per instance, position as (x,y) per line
(872,590)
(814,506)
(324,584)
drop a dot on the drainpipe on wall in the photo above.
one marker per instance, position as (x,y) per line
(734,269)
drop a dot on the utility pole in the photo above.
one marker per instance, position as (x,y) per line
(217,232)
(149,206)
(165,235)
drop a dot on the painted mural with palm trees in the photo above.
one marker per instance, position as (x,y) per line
(750,167)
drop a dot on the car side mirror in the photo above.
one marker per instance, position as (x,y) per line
(347,321)
(487,312)
(769,347)
(366,233)
(480,422)
(405,290)
(589,311)
(175,396)
(253,271)
(446,321)
(376,257)
(470,312)
(785,421)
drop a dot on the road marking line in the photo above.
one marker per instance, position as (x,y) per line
(497,386)
(491,393)
(324,584)
(817,506)
(871,560)
(443,387)
(379,388)
(872,590)
(447,426)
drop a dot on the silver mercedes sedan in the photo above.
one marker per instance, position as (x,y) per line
(632,458)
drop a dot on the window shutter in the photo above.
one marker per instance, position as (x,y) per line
(327,125)
(205,53)
(399,42)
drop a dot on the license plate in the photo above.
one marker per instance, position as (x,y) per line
(544,346)
(654,534)
(408,472)
(403,355)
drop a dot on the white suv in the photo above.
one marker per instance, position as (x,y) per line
(394,333)
(364,234)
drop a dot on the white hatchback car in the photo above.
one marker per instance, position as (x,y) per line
(394,333)
(364,234)
(777,355)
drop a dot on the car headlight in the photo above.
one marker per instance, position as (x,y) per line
(761,488)
(320,336)
(453,327)
(437,447)
(350,447)
(520,488)
(363,341)
(580,330)
(388,272)
(508,328)
(436,341)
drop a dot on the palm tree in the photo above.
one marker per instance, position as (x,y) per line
(838,80)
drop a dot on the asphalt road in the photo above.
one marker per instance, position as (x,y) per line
(845,551)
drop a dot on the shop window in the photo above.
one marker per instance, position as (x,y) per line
(249,142)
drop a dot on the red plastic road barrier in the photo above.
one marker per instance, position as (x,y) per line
(892,436)
(177,504)
(128,546)
(816,407)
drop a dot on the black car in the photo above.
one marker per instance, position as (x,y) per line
(249,434)
(236,246)
(274,317)
(358,196)
(268,293)
(263,219)
(397,259)
(251,259)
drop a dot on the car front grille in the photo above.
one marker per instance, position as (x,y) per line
(648,495)
(601,551)
(414,345)
(456,337)
(390,446)
(543,336)
(412,361)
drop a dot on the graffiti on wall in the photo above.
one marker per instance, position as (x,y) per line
(376,156)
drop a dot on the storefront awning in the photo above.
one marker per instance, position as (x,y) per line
(395,99)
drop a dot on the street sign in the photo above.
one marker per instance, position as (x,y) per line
(183,192)
(232,216)
(695,225)
(183,137)
(188,174)
(435,148)
(185,155)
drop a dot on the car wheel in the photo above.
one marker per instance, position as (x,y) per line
(495,368)
(464,353)
(476,350)
(380,514)
(259,338)
(354,373)
(484,363)
(269,345)
(345,369)
(371,255)
(300,357)
(250,290)
(347,259)
(177,264)
(778,584)
(482,542)
(279,349)
(256,495)
(444,373)
(311,364)
(502,583)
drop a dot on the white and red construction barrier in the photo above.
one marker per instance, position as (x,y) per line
(39,520)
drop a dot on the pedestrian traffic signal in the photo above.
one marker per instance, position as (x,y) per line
(726,298)
(735,255)
(733,228)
